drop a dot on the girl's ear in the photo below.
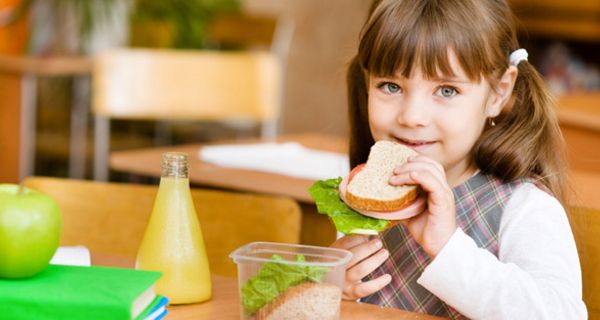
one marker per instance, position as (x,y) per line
(502,93)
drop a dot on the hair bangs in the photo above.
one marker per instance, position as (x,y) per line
(404,38)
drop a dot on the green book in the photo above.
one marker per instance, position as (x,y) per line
(156,310)
(74,292)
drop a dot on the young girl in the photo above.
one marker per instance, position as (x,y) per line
(447,78)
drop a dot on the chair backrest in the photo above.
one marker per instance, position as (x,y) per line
(253,31)
(585,224)
(186,85)
(110,218)
(189,85)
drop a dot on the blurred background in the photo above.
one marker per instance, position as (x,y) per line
(47,49)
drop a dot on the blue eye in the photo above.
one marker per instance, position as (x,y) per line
(390,87)
(446,92)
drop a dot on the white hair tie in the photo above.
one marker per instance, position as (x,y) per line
(517,56)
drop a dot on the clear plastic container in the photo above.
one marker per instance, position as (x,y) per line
(290,281)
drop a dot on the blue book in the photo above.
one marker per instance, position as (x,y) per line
(157,309)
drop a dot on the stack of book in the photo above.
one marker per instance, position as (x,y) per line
(76,292)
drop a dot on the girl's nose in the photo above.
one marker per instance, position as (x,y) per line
(413,113)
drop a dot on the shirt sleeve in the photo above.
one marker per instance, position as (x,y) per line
(536,276)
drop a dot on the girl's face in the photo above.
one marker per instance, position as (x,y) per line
(439,118)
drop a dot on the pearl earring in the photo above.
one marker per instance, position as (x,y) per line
(492,123)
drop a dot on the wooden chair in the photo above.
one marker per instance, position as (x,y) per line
(110,218)
(192,85)
(585,224)
(242,30)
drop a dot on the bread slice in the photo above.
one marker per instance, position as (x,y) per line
(306,301)
(370,190)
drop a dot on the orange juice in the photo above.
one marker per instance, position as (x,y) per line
(173,242)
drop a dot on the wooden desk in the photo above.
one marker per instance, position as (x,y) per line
(225,303)
(147,162)
(579,118)
(316,228)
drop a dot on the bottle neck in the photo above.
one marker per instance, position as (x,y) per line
(174,165)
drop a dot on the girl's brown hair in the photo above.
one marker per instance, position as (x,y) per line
(401,35)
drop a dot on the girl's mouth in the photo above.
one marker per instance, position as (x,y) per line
(415,143)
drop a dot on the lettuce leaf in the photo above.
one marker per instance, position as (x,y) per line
(327,197)
(274,278)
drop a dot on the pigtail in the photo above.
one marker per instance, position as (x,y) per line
(360,134)
(526,141)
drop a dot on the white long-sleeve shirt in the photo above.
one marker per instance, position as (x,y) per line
(535,276)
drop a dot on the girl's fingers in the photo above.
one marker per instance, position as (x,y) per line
(402,178)
(366,266)
(366,257)
(425,169)
(363,251)
(440,194)
(349,242)
(422,158)
(420,166)
(363,289)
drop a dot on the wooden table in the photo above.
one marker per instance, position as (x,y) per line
(316,228)
(225,303)
(147,162)
(579,118)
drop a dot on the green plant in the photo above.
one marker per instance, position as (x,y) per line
(187,19)
(85,15)
(183,23)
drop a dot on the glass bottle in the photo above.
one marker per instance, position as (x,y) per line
(173,242)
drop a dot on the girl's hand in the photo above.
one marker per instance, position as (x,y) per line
(432,228)
(367,255)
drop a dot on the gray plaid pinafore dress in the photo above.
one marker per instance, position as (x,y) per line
(480,202)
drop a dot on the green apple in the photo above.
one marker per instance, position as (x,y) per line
(30,224)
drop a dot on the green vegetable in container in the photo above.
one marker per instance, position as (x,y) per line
(274,278)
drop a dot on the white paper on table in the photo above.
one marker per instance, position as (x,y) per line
(72,255)
(290,158)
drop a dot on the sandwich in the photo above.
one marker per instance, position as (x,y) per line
(281,290)
(364,202)
(305,301)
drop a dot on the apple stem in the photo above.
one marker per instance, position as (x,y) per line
(21,189)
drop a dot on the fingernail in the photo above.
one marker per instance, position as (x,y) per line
(384,253)
(388,278)
(378,244)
